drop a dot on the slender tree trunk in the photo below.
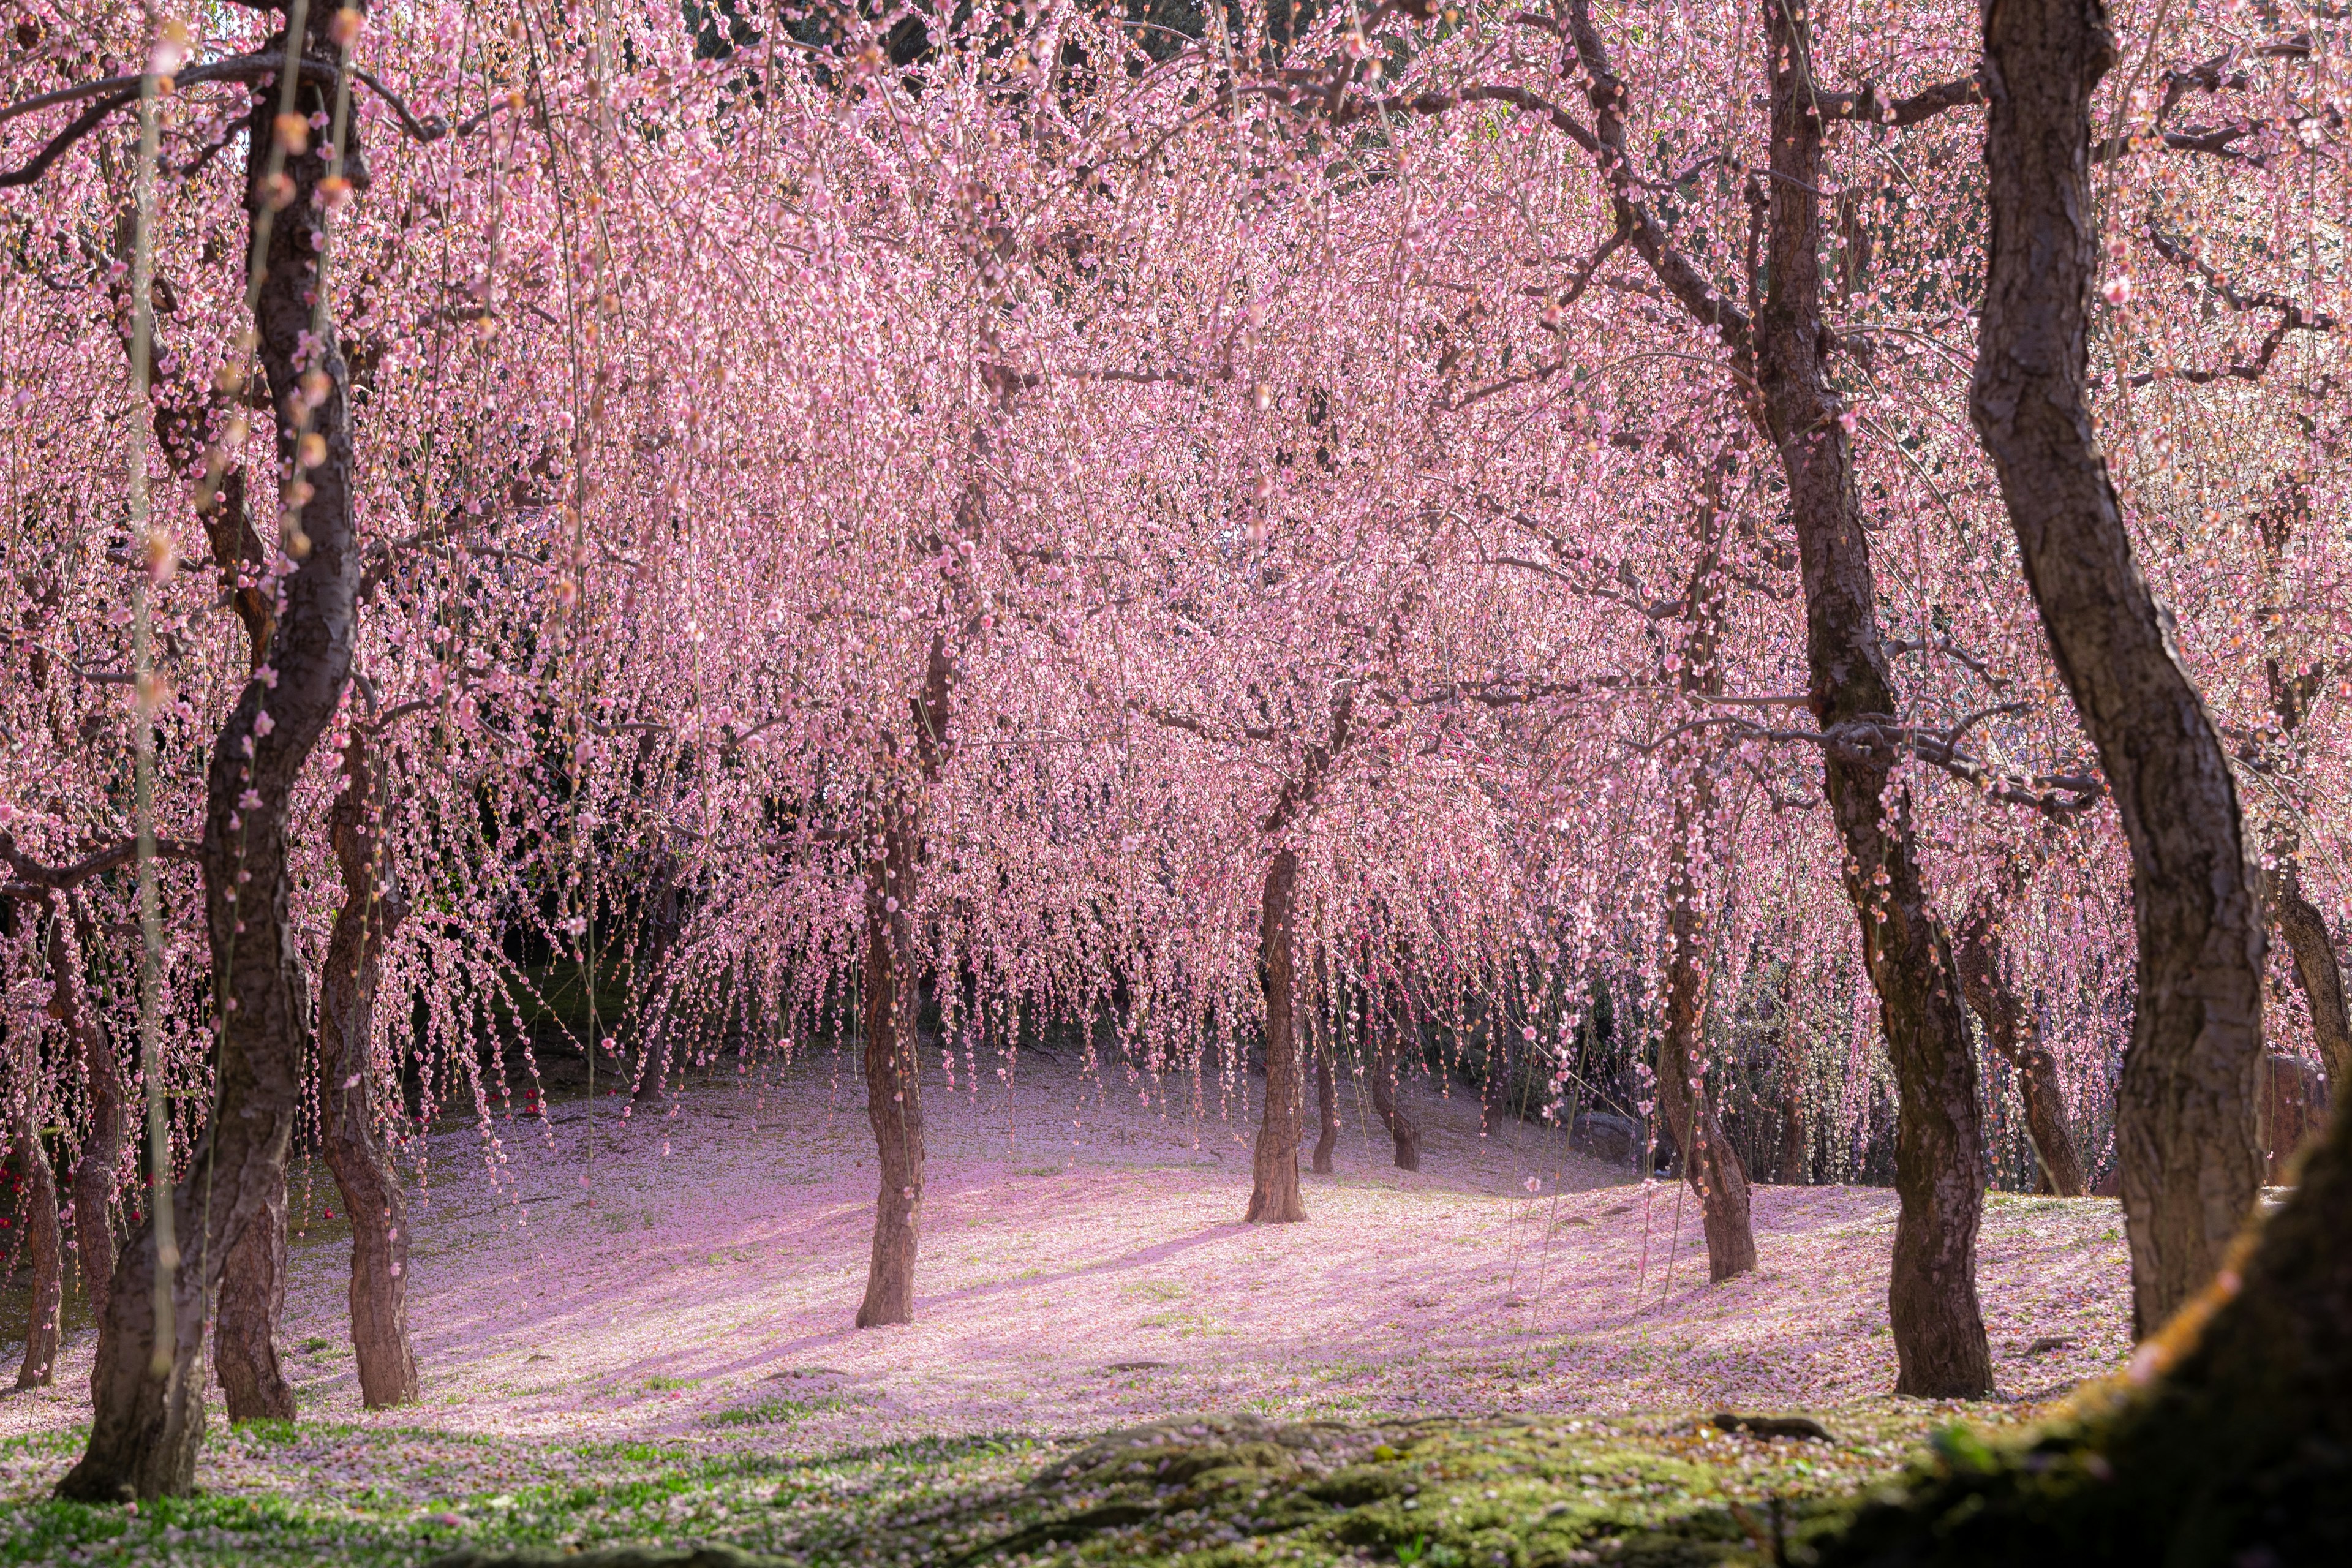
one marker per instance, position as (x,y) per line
(2316,970)
(2185,1112)
(1404,1133)
(894,1098)
(1326,1082)
(44,1257)
(148,1417)
(1939,1336)
(1710,1165)
(893,980)
(1273,1165)
(1984,980)
(1796,1127)
(100,1164)
(1782,356)
(372,909)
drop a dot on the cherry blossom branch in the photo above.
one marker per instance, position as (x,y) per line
(1927,103)
(35,880)
(2292,318)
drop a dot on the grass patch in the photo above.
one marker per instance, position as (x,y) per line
(1218,1492)
(660,1384)
(782,1408)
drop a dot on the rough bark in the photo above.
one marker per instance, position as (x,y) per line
(100,1165)
(44,1257)
(1404,1132)
(2185,1113)
(372,909)
(1273,1164)
(2011,1032)
(149,1419)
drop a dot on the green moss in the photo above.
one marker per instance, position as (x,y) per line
(1216,1492)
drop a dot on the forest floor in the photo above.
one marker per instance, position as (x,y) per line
(655,1343)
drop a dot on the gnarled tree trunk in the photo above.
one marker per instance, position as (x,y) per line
(1273,1164)
(2185,1113)
(148,1417)
(372,909)
(1984,981)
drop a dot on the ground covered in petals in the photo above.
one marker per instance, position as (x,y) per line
(646,1336)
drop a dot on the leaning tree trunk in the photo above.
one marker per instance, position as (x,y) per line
(44,1257)
(373,908)
(1940,1347)
(149,1419)
(1984,980)
(1273,1164)
(100,1165)
(1388,1035)
(2185,1112)
(1782,359)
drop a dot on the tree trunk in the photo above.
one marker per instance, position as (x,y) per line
(2229,1440)
(2185,1113)
(2316,970)
(1781,355)
(1940,1335)
(1984,981)
(1710,1165)
(1404,1133)
(893,999)
(148,1417)
(100,1164)
(372,909)
(1273,1164)
(894,1098)
(1326,1083)
(251,1300)
(1796,1127)
(42,1255)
